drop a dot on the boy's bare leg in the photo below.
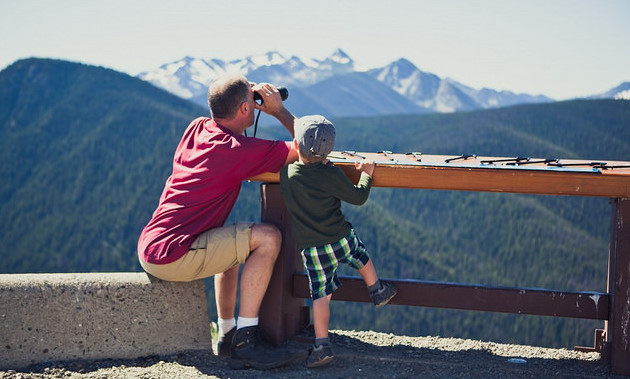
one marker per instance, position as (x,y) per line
(321,316)
(368,273)
(264,244)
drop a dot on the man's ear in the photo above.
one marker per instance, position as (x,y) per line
(295,144)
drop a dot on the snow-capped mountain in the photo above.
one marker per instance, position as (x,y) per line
(189,77)
(621,92)
(335,86)
(444,95)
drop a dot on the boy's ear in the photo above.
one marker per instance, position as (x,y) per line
(295,144)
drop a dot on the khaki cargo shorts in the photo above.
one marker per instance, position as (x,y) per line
(213,252)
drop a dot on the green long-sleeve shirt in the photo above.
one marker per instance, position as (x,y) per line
(313,194)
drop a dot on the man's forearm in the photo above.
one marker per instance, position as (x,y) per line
(287,119)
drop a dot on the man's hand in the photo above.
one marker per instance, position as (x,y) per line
(272,102)
(272,105)
(365,165)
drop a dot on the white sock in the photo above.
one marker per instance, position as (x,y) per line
(244,322)
(225,325)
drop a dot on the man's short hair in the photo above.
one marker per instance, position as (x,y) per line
(226,94)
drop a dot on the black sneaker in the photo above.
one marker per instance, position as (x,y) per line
(250,351)
(384,295)
(320,356)
(224,344)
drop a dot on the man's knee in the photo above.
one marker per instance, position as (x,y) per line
(266,236)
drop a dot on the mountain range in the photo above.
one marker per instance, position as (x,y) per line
(621,92)
(85,151)
(337,86)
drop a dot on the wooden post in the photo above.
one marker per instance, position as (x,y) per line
(618,324)
(281,315)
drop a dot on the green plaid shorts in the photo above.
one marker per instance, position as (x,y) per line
(321,263)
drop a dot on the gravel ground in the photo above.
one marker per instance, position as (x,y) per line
(358,355)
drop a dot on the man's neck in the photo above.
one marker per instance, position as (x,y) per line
(232,125)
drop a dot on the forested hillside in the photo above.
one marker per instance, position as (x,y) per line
(86,150)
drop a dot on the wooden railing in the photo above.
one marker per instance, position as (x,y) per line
(283,313)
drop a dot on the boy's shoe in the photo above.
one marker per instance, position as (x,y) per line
(249,350)
(384,295)
(320,356)
(224,344)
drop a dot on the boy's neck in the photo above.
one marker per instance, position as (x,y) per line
(303,160)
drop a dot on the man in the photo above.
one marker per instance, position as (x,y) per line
(186,238)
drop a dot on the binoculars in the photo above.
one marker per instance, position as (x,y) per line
(284,93)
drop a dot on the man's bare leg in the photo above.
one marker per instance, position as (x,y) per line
(248,349)
(225,285)
(264,244)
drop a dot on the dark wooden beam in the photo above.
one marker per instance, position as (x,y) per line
(532,301)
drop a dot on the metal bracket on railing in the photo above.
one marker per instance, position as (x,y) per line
(606,167)
(591,164)
(516,160)
(545,161)
(330,156)
(462,157)
(353,154)
(599,345)
(387,155)
(416,155)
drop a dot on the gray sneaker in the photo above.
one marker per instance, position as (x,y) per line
(320,356)
(384,295)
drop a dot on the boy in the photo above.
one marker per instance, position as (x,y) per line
(313,191)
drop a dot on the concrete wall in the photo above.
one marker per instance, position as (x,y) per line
(49,317)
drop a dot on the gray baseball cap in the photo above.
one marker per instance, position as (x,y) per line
(315,136)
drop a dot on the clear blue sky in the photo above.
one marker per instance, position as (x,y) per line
(560,48)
